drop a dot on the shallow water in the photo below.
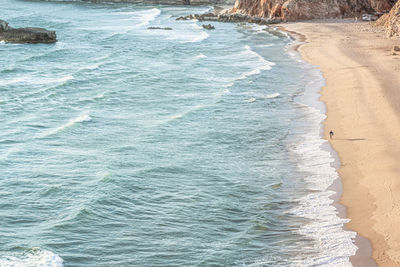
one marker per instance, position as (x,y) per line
(123,146)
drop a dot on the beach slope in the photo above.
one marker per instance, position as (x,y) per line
(362,95)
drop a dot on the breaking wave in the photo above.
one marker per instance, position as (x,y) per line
(33,257)
(263,64)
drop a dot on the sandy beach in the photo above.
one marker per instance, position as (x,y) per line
(362,95)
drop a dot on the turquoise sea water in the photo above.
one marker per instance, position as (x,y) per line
(123,146)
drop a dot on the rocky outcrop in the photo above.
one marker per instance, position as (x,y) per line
(25,35)
(230,17)
(391,21)
(291,10)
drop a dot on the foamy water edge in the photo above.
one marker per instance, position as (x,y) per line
(334,242)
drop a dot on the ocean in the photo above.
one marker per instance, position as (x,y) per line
(125,146)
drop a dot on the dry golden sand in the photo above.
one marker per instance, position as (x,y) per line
(362,95)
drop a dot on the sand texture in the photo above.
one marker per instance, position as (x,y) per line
(362,95)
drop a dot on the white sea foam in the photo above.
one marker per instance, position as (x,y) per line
(136,20)
(196,27)
(258,28)
(102,58)
(71,122)
(265,45)
(286,34)
(183,33)
(187,33)
(147,15)
(262,63)
(179,115)
(101,95)
(190,37)
(112,29)
(61,80)
(16,80)
(334,245)
(229,85)
(275,95)
(201,56)
(249,51)
(15,149)
(52,81)
(37,80)
(225,92)
(34,257)
(251,100)
(208,10)
(91,67)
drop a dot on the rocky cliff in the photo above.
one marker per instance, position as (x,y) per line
(291,10)
(391,21)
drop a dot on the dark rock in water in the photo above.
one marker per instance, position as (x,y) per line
(208,27)
(201,17)
(237,17)
(189,17)
(3,25)
(160,28)
(228,17)
(26,35)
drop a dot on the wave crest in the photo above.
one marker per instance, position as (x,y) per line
(201,55)
(80,118)
(263,64)
(147,16)
(275,95)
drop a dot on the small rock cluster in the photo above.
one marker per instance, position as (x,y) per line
(160,28)
(227,17)
(208,27)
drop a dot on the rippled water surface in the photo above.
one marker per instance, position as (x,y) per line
(123,146)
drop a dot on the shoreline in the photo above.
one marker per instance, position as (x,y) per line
(363,255)
(316,48)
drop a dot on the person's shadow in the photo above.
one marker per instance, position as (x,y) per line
(351,139)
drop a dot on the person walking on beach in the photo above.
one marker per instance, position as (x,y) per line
(331,133)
